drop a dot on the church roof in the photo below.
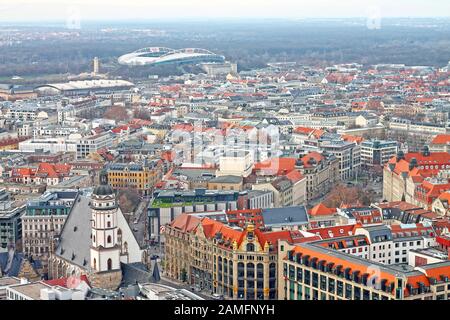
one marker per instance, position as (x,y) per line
(10,263)
(137,272)
(75,239)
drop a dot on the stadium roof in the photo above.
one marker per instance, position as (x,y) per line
(161,55)
(89,84)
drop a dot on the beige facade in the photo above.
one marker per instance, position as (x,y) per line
(245,270)
(282,194)
(320,178)
(305,275)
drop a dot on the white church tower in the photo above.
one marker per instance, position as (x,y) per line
(104,251)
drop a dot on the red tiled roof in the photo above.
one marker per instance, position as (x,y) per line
(185,222)
(441,139)
(276,166)
(322,210)
(69,282)
(294,176)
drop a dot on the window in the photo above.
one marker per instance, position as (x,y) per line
(340,288)
(250,247)
(357,293)
(299,274)
(109,239)
(307,277)
(109,264)
(348,291)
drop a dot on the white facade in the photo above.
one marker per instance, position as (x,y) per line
(105,253)
(238,164)
(52,145)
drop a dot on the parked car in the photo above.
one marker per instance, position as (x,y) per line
(217,296)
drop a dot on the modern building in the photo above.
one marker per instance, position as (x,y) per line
(10,221)
(84,87)
(91,144)
(348,154)
(169,204)
(161,56)
(377,152)
(50,144)
(239,163)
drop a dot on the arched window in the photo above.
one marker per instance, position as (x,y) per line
(94,239)
(108,224)
(125,247)
(109,264)
(250,247)
(95,263)
(109,239)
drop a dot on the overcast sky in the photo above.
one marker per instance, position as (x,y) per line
(44,10)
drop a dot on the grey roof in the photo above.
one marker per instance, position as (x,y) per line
(379,233)
(10,263)
(195,174)
(285,216)
(133,273)
(76,244)
(227,179)
(391,269)
(282,184)
(103,190)
(256,193)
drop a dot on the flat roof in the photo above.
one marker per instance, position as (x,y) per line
(89,84)
(31,290)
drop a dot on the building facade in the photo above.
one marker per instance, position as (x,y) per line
(312,272)
(139,177)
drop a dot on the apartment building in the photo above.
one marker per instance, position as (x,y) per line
(139,177)
(312,272)
(10,220)
(321,172)
(169,204)
(44,217)
(240,264)
(349,156)
(282,189)
(87,145)
(405,172)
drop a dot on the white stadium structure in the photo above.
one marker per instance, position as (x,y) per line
(160,56)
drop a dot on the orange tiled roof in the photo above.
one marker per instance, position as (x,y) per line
(276,166)
(441,139)
(322,210)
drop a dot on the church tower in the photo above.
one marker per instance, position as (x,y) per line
(104,251)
